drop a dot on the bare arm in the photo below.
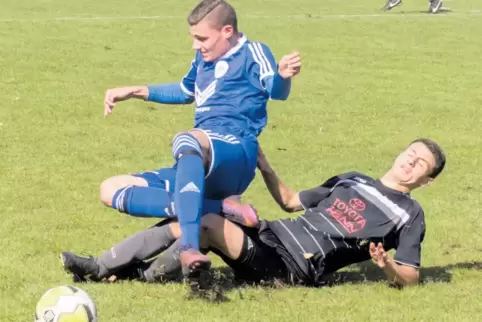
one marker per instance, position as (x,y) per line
(401,274)
(396,273)
(286,198)
(139,92)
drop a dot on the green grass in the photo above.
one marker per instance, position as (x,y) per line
(370,84)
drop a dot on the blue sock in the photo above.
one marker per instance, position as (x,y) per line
(189,188)
(143,202)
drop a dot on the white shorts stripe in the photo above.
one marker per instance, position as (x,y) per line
(228,138)
(293,236)
(225,141)
(314,239)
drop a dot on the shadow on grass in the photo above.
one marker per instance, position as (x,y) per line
(367,272)
(222,279)
(213,286)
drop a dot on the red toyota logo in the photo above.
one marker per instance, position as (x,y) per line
(357,204)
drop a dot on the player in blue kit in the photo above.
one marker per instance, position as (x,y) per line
(230,79)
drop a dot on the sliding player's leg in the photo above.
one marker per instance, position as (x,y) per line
(248,251)
(141,246)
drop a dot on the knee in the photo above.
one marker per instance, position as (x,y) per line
(110,186)
(107,191)
(211,223)
(208,236)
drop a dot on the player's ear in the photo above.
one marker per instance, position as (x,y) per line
(227,31)
(426,182)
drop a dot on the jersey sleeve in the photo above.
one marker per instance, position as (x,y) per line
(168,94)
(261,66)
(188,81)
(409,244)
(312,197)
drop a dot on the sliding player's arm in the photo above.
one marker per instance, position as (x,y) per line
(264,73)
(403,268)
(174,93)
(286,198)
(289,200)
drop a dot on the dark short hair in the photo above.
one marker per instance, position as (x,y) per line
(437,153)
(221,14)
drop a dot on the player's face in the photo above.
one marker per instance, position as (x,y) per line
(210,41)
(414,165)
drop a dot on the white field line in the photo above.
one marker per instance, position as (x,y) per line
(302,17)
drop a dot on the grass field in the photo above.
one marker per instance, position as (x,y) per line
(371,83)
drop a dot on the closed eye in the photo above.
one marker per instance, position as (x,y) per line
(200,38)
(422,163)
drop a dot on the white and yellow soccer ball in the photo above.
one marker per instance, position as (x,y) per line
(65,304)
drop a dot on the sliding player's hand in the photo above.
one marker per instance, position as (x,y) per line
(378,254)
(289,65)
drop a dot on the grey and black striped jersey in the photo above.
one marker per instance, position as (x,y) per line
(342,216)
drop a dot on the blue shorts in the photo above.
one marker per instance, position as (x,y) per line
(233,162)
(232,168)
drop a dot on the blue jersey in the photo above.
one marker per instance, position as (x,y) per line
(234,89)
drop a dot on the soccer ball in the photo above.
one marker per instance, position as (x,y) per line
(65,304)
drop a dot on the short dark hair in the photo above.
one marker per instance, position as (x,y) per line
(437,153)
(220,13)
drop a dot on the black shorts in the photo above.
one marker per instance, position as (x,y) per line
(263,262)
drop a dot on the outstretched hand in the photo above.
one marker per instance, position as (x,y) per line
(290,65)
(378,254)
(114,95)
